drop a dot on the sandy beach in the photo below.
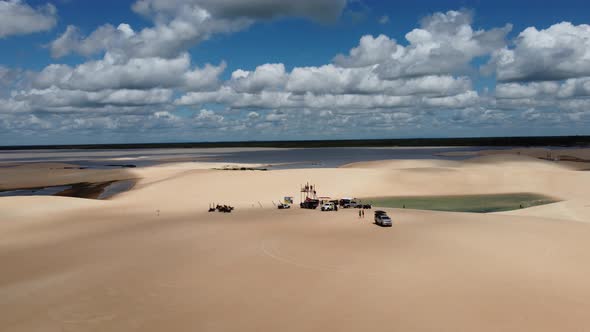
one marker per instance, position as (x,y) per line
(153,259)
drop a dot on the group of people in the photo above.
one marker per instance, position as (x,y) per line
(361,213)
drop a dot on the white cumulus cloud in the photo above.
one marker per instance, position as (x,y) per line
(559,52)
(135,73)
(444,44)
(19,18)
(181,24)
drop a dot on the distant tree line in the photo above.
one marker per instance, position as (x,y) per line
(565,141)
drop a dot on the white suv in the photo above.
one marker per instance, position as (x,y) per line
(382,219)
(328,207)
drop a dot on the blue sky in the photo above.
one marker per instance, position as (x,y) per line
(281,71)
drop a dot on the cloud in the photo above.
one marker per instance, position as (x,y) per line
(371,51)
(7,75)
(73,41)
(276,116)
(537,104)
(12,79)
(444,44)
(269,86)
(356,81)
(203,79)
(383,19)
(559,52)
(168,37)
(575,87)
(532,90)
(58,100)
(136,73)
(320,10)
(11,106)
(270,76)
(181,24)
(565,96)
(140,73)
(337,80)
(111,85)
(458,101)
(569,89)
(423,84)
(327,101)
(208,117)
(18,18)
(546,74)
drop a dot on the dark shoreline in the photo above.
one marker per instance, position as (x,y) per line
(524,141)
(87,190)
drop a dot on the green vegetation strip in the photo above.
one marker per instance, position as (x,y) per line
(463,203)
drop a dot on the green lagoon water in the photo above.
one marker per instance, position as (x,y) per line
(463,203)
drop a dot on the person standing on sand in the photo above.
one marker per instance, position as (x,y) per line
(359,213)
(363,210)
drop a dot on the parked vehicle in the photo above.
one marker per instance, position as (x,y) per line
(224,208)
(309,204)
(309,197)
(328,207)
(283,206)
(367,206)
(347,203)
(382,219)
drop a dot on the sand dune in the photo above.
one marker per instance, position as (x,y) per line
(196,188)
(571,210)
(152,259)
(570,157)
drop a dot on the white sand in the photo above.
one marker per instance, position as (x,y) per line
(83,265)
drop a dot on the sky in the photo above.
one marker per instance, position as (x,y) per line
(80,72)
